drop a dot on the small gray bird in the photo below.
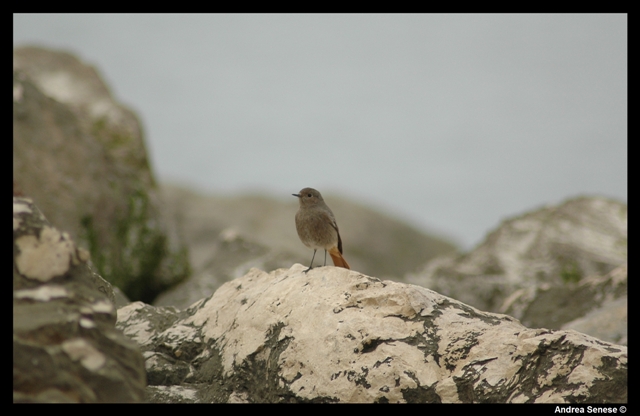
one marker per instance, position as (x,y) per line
(317,227)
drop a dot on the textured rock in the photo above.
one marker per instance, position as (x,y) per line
(335,335)
(596,305)
(81,156)
(65,345)
(553,246)
(608,322)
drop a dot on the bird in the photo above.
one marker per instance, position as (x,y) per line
(317,227)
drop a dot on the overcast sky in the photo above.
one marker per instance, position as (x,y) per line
(451,122)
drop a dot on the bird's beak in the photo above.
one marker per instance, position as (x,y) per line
(298,195)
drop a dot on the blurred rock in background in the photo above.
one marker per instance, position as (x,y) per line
(81,156)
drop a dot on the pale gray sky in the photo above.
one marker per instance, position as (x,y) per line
(452,122)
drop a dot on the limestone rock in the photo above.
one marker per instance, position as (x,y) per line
(608,322)
(65,344)
(335,335)
(553,246)
(596,305)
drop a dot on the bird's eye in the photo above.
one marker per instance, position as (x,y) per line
(309,195)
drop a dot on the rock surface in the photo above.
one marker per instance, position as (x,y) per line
(335,335)
(546,249)
(81,156)
(65,344)
(597,305)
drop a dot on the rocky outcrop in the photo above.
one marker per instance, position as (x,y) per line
(552,253)
(335,335)
(597,305)
(65,344)
(81,156)
(227,236)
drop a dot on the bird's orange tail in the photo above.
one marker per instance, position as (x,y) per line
(337,258)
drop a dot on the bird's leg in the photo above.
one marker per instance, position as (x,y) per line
(314,256)
(325,257)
